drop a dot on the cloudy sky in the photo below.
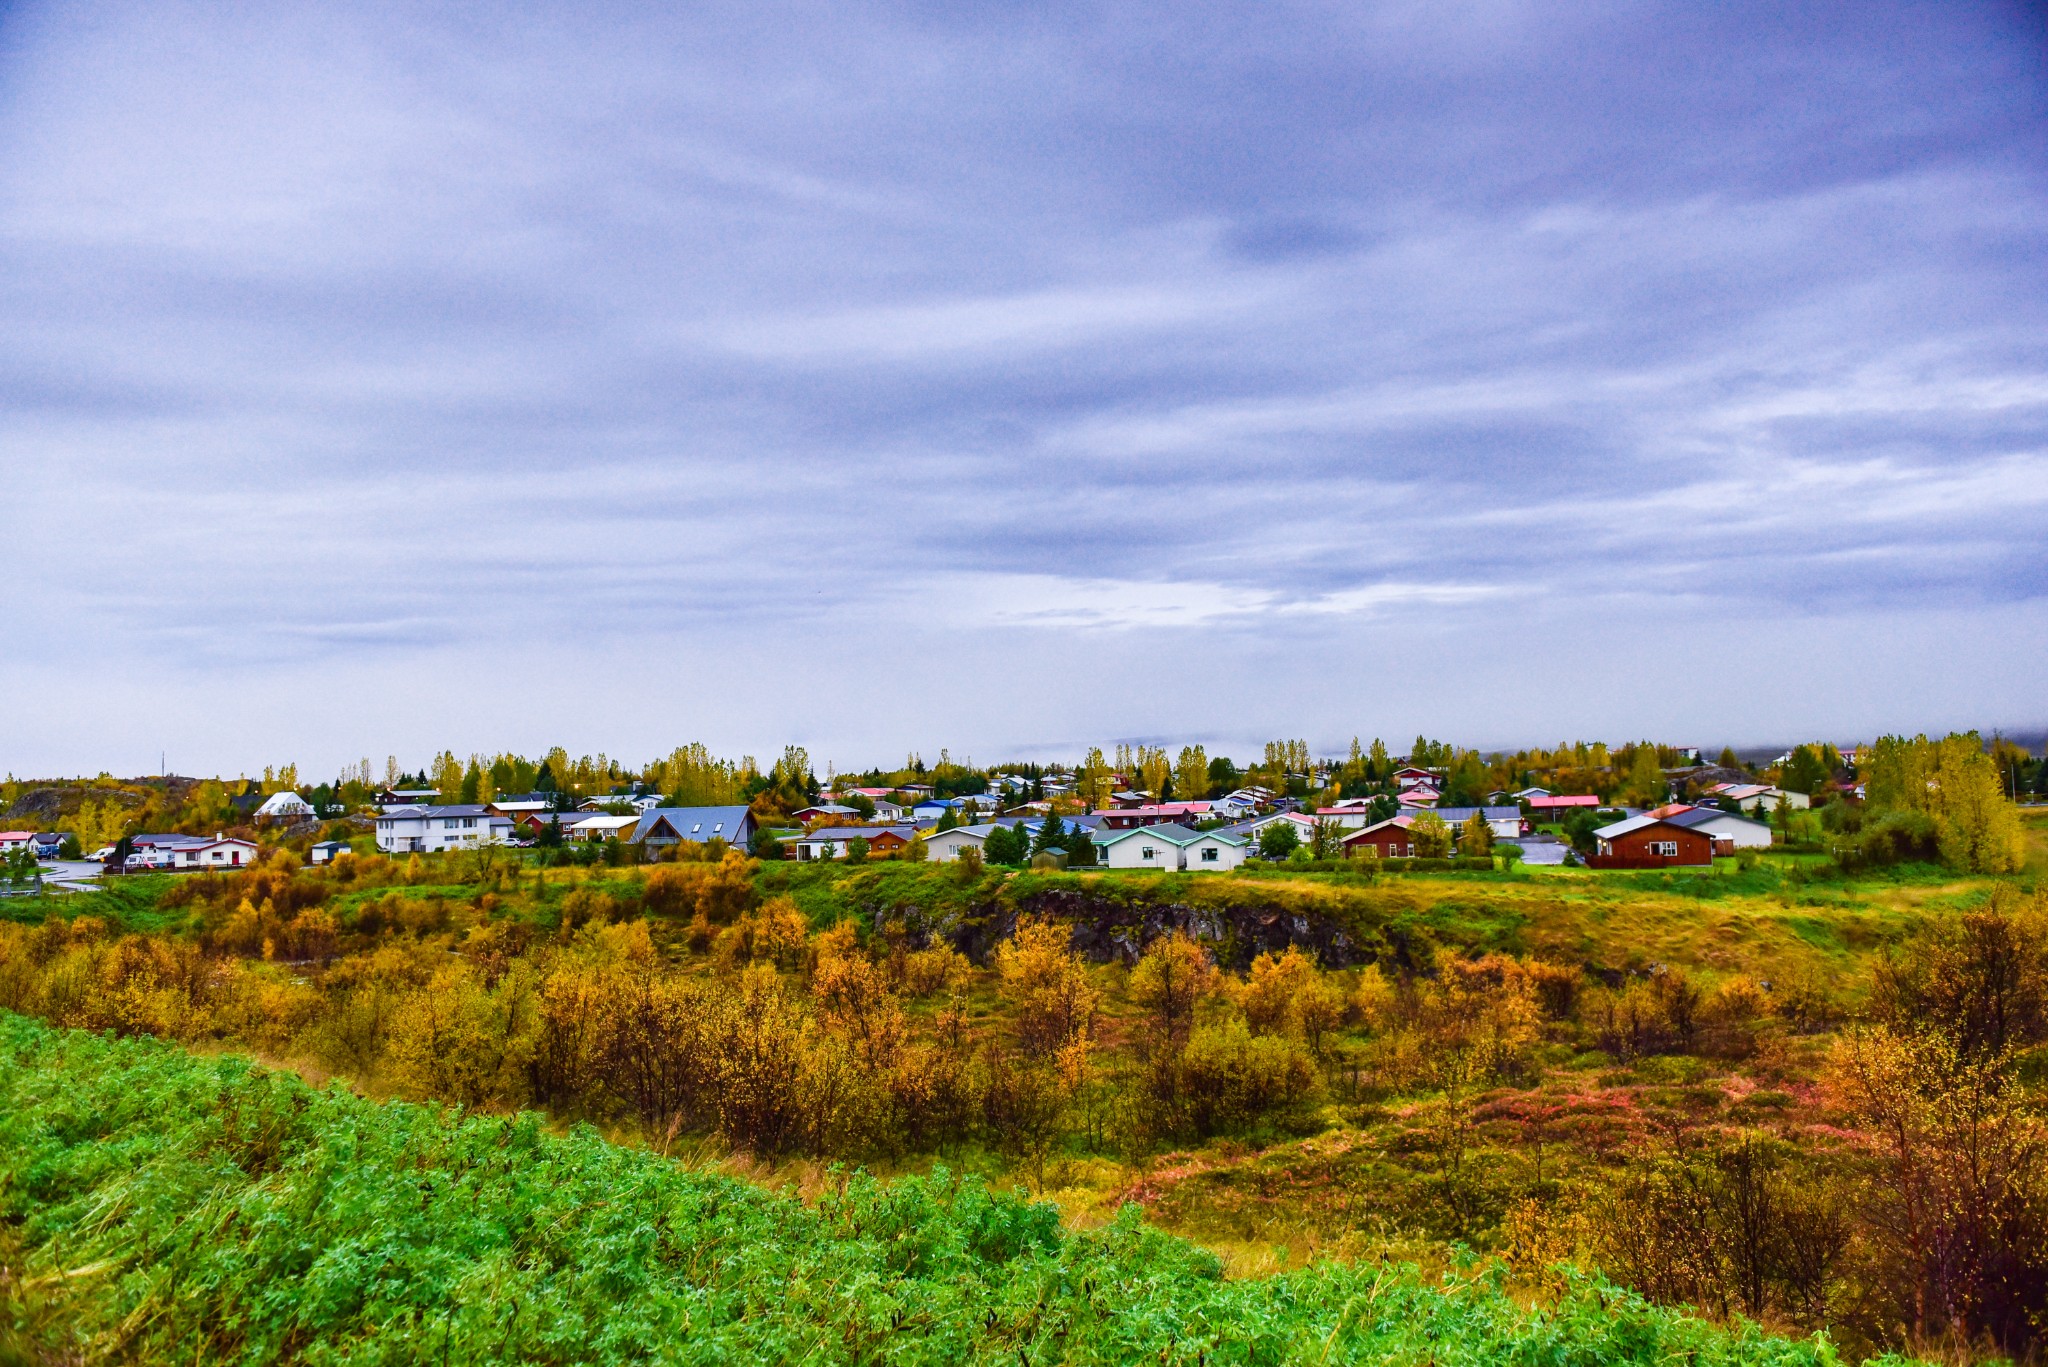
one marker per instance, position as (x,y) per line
(377,378)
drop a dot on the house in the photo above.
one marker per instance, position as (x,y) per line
(1504,822)
(1548,808)
(189,853)
(599,826)
(644,802)
(943,847)
(1168,847)
(933,808)
(327,851)
(1422,797)
(1352,813)
(49,842)
(1651,842)
(1530,794)
(1390,837)
(830,842)
(1249,831)
(1736,832)
(826,811)
(673,825)
(1410,776)
(1752,797)
(455,826)
(1155,814)
(10,841)
(407,797)
(284,806)
(518,805)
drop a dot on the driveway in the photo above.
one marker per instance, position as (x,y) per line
(71,873)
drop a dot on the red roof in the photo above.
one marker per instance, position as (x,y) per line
(1574,800)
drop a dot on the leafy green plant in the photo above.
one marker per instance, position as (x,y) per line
(188,1208)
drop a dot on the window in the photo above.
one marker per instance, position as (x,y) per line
(1148,853)
(1209,855)
(1667,848)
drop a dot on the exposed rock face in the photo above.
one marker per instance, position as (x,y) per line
(1118,928)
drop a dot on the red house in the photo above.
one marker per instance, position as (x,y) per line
(1651,842)
(1390,837)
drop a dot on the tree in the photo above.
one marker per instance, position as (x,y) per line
(1806,771)
(1051,835)
(1278,840)
(948,821)
(1475,837)
(1728,759)
(857,850)
(1430,836)
(1645,785)
(1170,981)
(1191,774)
(1222,774)
(1326,841)
(1979,826)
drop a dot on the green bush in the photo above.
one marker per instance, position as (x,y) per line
(173,1208)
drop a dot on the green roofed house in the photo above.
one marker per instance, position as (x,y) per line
(1168,847)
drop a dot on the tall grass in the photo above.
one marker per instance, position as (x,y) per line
(163,1207)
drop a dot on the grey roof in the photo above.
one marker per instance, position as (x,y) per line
(695,823)
(452,809)
(1709,816)
(1172,833)
(838,833)
(1454,815)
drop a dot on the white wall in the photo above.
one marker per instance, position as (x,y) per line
(944,846)
(1228,856)
(1128,853)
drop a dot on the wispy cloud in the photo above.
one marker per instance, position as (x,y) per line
(753,365)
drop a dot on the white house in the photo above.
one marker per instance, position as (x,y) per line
(10,841)
(285,805)
(327,851)
(459,826)
(1738,831)
(217,853)
(1504,822)
(1752,797)
(599,826)
(943,847)
(1168,847)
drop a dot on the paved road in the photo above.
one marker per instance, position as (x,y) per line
(71,873)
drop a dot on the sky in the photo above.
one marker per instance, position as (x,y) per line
(383,378)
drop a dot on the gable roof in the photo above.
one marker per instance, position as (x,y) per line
(1700,818)
(1565,800)
(837,835)
(1169,832)
(1636,823)
(694,823)
(1454,815)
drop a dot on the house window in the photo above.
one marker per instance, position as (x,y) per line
(1209,855)
(1147,853)
(1667,848)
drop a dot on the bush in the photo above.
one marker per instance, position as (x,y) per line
(306,1225)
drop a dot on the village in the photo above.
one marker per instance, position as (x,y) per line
(1052,817)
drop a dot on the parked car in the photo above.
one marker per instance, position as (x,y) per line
(102,854)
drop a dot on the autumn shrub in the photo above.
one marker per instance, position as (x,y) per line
(1231,1079)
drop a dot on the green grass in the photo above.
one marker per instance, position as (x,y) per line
(129,901)
(162,1207)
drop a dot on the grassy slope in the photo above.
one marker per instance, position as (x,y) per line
(168,1208)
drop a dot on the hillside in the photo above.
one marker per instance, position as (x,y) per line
(161,1207)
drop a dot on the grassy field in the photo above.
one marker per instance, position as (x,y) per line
(155,1207)
(1435,1124)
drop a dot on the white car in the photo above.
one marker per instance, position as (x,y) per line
(102,854)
